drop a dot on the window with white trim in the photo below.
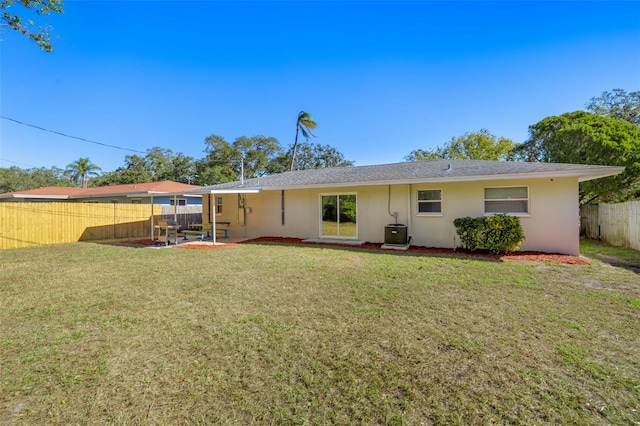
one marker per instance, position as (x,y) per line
(338,215)
(181,202)
(514,199)
(430,201)
(218,205)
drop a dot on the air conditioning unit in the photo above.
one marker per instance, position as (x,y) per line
(395,233)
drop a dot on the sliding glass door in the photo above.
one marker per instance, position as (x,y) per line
(338,215)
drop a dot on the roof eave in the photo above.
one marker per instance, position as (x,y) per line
(36,197)
(161,194)
(582,175)
(238,190)
(602,173)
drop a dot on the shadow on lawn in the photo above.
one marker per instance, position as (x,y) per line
(133,243)
(618,262)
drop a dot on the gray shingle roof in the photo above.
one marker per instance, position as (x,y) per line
(415,172)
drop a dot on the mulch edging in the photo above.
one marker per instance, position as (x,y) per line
(530,256)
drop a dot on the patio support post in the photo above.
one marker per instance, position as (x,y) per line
(175,207)
(153,225)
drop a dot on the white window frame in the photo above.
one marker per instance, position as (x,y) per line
(337,194)
(418,201)
(527,199)
(218,206)
(181,201)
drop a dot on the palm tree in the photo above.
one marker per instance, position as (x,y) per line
(81,169)
(304,124)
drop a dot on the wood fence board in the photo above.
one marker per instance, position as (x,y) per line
(615,224)
(24,224)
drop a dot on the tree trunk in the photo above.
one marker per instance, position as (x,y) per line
(295,147)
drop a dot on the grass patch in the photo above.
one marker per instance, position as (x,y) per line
(277,334)
(596,248)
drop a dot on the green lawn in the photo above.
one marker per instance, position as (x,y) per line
(347,229)
(278,334)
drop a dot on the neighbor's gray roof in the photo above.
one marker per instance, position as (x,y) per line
(416,172)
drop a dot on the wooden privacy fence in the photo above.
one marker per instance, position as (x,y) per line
(185,215)
(26,224)
(615,224)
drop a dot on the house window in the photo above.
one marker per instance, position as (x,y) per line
(430,201)
(136,201)
(218,205)
(513,199)
(180,201)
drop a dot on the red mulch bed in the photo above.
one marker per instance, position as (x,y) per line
(520,255)
(147,242)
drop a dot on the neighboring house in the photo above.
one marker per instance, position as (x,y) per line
(163,192)
(358,203)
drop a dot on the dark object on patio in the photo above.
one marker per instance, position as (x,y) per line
(167,229)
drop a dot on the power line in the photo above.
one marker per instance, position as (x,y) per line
(15,162)
(72,137)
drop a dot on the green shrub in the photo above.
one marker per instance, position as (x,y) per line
(470,231)
(502,233)
(499,234)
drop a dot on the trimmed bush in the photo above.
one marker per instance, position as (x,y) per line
(503,234)
(470,230)
(499,234)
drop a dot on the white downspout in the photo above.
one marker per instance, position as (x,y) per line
(213,217)
(409,211)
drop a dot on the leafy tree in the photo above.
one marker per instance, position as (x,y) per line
(108,178)
(311,156)
(12,22)
(183,168)
(480,145)
(225,161)
(584,138)
(304,125)
(158,164)
(218,165)
(259,155)
(81,170)
(258,152)
(134,171)
(617,104)
(16,179)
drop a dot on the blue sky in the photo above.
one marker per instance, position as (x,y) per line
(380,78)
